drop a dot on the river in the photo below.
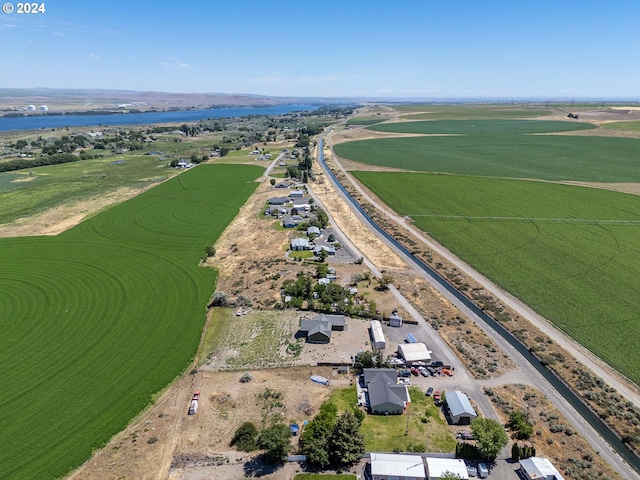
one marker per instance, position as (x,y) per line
(36,122)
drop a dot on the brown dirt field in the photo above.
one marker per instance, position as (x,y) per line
(568,451)
(225,403)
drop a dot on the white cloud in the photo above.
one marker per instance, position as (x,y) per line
(175,63)
(94,56)
(9,25)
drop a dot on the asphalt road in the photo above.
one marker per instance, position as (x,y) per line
(528,371)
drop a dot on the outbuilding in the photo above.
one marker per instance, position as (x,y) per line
(438,467)
(414,352)
(395,320)
(539,468)
(387,466)
(377,336)
(460,408)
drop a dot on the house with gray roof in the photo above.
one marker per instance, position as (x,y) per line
(289,222)
(319,328)
(278,200)
(386,396)
(298,244)
(313,230)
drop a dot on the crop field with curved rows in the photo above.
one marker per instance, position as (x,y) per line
(571,253)
(96,320)
(504,154)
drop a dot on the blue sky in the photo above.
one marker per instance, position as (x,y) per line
(422,48)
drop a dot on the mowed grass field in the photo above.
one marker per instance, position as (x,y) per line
(546,157)
(571,253)
(98,319)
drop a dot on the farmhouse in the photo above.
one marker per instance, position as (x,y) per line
(385,395)
(386,466)
(460,408)
(284,184)
(538,468)
(438,467)
(298,244)
(278,200)
(414,352)
(320,248)
(319,328)
(289,222)
(313,231)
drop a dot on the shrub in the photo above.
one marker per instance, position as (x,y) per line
(245,437)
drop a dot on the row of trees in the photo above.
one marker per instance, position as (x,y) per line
(58,158)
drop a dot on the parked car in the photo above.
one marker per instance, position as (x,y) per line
(447,372)
(436,397)
(404,373)
(431,370)
(423,371)
(414,371)
(404,381)
(471,470)
(429,391)
(483,471)
(464,435)
(437,364)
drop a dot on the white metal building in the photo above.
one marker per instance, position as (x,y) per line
(387,466)
(377,335)
(395,320)
(539,468)
(414,352)
(438,467)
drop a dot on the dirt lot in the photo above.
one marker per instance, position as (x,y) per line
(164,438)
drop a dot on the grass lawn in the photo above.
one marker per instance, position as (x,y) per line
(427,428)
(571,253)
(546,157)
(99,318)
(301,254)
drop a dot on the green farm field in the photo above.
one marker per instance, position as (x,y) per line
(435,112)
(98,319)
(28,192)
(571,253)
(481,127)
(628,126)
(546,157)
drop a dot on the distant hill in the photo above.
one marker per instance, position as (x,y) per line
(12,99)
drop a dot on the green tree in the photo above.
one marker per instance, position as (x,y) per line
(274,440)
(314,439)
(365,359)
(450,476)
(490,436)
(245,437)
(384,281)
(519,424)
(346,444)
(272,181)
